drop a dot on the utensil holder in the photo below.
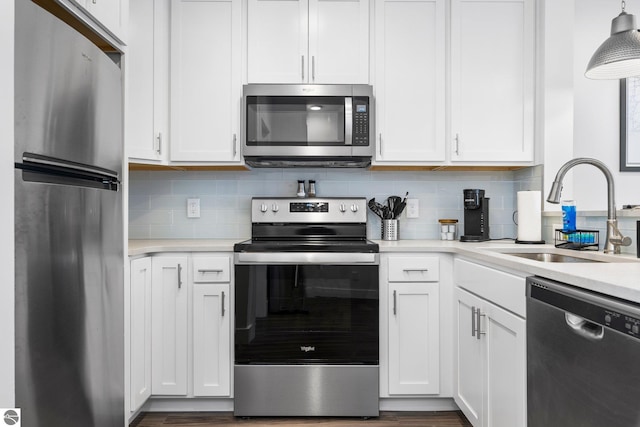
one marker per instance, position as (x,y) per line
(390,229)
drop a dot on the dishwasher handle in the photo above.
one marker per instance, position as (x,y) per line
(583,327)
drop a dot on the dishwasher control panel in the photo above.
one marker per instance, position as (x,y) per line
(611,313)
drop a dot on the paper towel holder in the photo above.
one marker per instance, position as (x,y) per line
(525,242)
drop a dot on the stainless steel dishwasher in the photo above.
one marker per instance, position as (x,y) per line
(583,357)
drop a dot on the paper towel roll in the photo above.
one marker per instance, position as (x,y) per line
(529,216)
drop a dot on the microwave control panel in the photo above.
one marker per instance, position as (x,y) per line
(361,120)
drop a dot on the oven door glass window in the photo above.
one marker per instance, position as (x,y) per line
(295,121)
(306,314)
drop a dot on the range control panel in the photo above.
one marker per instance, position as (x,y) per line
(312,210)
(309,207)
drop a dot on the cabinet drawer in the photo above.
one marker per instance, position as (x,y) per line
(211,269)
(414,269)
(504,289)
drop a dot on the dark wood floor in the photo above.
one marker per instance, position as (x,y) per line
(386,419)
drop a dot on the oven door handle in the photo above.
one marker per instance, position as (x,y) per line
(306,258)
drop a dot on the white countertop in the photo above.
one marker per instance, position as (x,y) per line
(620,277)
(145,247)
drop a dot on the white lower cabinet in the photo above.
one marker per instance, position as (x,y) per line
(211,327)
(169,325)
(412,328)
(140,333)
(413,339)
(189,302)
(490,386)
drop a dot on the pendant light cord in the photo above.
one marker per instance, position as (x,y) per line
(624,4)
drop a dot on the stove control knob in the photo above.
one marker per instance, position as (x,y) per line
(263,208)
(275,207)
(343,208)
(354,208)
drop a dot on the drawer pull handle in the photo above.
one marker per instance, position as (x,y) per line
(409,270)
(210,270)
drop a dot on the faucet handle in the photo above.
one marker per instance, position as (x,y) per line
(615,239)
(621,241)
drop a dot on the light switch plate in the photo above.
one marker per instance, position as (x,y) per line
(413,208)
(193,208)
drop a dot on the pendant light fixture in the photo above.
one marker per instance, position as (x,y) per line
(619,56)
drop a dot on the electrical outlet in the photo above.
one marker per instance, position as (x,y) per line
(413,208)
(193,208)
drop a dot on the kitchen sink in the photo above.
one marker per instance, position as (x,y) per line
(551,257)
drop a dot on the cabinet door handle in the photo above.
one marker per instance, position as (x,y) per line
(234,146)
(473,321)
(394,303)
(457,151)
(313,68)
(158,144)
(380,144)
(179,276)
(302,67)
(478,324)
(222,303)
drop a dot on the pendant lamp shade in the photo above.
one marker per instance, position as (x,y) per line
(619,56)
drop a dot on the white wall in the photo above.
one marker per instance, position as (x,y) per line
(596,112)
(7,397)
(556,99)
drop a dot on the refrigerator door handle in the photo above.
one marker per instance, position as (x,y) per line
(79,168)
(45,169)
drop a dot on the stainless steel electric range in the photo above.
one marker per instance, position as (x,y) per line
(307,310)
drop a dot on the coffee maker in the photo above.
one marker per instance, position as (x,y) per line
(476,216)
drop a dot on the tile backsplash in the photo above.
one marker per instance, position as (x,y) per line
(158,199)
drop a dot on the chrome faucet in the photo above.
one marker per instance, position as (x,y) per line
(614,239)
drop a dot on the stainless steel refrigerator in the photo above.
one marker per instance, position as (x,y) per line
(68,226)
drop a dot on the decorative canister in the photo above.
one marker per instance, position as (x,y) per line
(448,229)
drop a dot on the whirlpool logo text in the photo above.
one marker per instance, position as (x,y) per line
(307,348)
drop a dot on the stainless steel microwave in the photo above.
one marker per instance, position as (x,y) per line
(308,125)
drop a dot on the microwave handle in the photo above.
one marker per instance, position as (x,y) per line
(348,120)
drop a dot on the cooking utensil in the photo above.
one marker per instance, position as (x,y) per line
(394,204)
(402,205)
(376,208)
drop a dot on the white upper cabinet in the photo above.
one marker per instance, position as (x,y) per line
(339,41)
(277,32)
(308,41)
(206,85)
(109,13)
(147,82)
(110,16)
(410,80)
(492,80)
